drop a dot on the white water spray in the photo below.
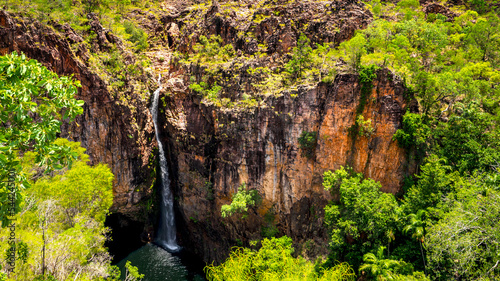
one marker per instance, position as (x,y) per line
(166,236)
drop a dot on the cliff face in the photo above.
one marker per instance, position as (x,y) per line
(217,151)
(213,150)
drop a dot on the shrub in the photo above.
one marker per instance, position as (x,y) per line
(301,58)
(136,36)
(365,127)
(414,132)
(307,142)
(240,202)
(204,89)
(274,261)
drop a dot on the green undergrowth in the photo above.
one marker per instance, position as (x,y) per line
(274,261)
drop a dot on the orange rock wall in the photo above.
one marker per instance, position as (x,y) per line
(228,147)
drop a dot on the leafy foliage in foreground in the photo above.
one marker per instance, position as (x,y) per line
(33,103)
(61,201)
(273,261)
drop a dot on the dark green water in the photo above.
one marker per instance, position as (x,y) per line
(159,265)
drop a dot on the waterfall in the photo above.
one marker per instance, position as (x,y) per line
(166,231)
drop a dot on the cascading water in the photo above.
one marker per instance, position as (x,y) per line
(166,236)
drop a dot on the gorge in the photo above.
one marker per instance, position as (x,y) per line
(211,151)
(360,127)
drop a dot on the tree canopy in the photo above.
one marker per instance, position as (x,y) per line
(33,103)
(273,261)
(61,220)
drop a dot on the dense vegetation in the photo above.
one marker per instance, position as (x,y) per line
(54,204)
(274,261)
(445,226)
(451,67)
(61,221)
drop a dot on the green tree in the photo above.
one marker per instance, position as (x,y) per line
(434,182)
(132,273)
(240,202)
(464,243)
(62,220)
(416,225)
(210,93)
(362,217)
(353,50)
(137,36)
(377,266)
(91,5)
(485,35)
(324,58)
(33,103)
(390,235)
(301,57)
(380,268)
(82,190)
(414,133)
(273,261)
(470,140)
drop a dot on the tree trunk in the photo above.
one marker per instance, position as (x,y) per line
(43,252)
(423,258)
